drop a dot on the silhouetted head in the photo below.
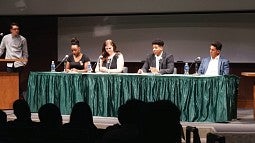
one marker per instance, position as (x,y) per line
(49,115)
(159,117)
(129,112)
(81,115)
(21,110)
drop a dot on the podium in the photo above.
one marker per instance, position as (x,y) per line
(9,86)
(252,75)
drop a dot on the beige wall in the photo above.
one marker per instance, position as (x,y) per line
(35,7)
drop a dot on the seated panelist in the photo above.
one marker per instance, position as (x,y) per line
(111,60)
(159,62)
(215,64)
(77,61)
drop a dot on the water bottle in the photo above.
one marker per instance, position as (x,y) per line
(52,66)
(89,68)
(186,68)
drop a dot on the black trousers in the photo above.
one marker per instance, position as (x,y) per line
(18,70)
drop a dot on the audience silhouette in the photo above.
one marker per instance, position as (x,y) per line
(128,128)
(50,123)
(3,119)
(139,121)
(3,122)
(22,112)
(81,119)
(21,128)
(50,116)
(161,122)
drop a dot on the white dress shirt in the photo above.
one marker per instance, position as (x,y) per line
(158,58)
(213,66)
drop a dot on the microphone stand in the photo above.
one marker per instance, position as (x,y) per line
(97,63)
(65,65)
(196,66)
(63,60)
(109,64)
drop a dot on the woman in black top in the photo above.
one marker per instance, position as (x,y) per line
(77,61)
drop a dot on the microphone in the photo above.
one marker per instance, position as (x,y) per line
(66,56)
(197,59)
(1,34)
(100,57)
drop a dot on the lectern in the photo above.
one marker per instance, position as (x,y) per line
(252,75)
(9,86)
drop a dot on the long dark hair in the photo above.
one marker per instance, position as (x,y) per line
(104,53)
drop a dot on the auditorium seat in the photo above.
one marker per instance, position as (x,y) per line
(194,131)
(63,135)
(214,138)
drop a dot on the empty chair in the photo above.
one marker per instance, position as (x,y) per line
(213,138)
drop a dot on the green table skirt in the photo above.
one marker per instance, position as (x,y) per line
(200,98)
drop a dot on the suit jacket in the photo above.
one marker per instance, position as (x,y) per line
(223,66)
(166,64)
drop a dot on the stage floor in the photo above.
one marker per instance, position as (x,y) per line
(244,121)
(244,124)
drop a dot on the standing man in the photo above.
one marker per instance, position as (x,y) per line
(158,62)
(15,47)
(215,64)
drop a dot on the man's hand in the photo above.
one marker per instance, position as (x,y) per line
(154,70)
(140,71)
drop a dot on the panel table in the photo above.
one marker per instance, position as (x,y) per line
(200,98)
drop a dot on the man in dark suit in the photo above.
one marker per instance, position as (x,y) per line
(215,64)
(158,62)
